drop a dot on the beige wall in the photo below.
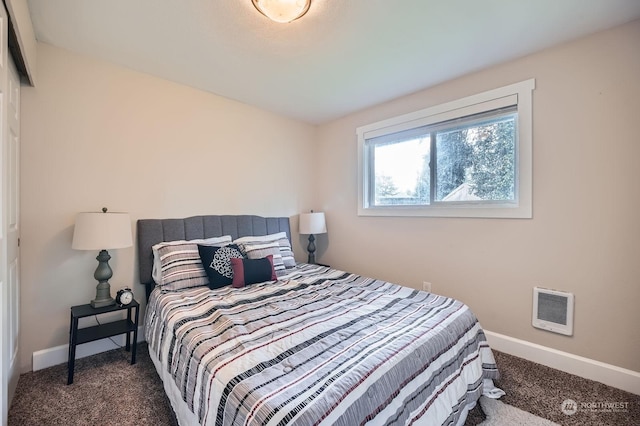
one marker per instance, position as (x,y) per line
(584,236)
(96,135)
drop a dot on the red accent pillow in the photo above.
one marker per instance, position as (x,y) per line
(251,271)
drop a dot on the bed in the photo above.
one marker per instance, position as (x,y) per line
(315,346)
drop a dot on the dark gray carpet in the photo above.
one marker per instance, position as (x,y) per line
(541,391)
(107,390)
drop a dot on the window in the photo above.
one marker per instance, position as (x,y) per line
(467,158)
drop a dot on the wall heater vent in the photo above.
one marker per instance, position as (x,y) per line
(553,310)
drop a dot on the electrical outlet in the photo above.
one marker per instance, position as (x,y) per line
(426,286)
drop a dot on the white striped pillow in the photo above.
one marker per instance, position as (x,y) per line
(284,248)
(177,264)
(260,251)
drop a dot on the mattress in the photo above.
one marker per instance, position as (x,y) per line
(318,346)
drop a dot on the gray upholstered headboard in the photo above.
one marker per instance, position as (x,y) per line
(154,231)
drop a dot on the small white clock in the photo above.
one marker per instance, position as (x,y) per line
(124,296)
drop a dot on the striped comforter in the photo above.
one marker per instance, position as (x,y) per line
(320,346)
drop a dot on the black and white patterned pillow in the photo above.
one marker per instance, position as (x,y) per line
(217,263)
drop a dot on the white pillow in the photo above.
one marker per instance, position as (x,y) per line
(285,255)
(156,273)
(255,250)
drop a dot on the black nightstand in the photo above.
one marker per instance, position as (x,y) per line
(97,332)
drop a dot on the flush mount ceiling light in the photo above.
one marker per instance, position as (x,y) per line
(282,11)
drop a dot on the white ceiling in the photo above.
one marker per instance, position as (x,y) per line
(344,55)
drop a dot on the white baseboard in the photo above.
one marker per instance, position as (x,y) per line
(59,354)
(608,374)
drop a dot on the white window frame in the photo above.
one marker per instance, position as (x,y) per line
(519,94)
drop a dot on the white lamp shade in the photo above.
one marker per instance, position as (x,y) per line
(312,223)
(102,231)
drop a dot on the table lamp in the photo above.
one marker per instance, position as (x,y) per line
(102,231)
(312,223)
